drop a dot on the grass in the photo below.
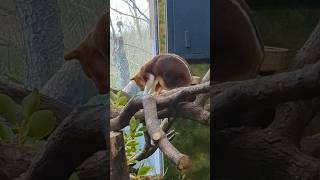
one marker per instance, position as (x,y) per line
(199,69)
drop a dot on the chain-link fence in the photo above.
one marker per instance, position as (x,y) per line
(130,22)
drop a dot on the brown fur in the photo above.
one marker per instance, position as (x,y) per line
(169,71)
(93,54)
(238,49)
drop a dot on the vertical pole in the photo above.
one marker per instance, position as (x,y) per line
(122,64)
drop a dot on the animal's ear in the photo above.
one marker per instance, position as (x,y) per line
(71,55)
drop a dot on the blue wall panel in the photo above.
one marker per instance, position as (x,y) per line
(188,28)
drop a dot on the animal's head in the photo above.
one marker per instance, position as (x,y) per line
(140,79)
(93,54)
(93,64)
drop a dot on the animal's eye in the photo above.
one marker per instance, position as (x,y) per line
(145,77)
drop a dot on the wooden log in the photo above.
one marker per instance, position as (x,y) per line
(118,163)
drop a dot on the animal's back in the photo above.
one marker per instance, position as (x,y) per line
(173,70)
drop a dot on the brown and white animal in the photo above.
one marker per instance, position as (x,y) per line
(238,49)
(93,54)
(165,71)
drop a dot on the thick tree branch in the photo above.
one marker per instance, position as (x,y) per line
(135,104)
(263,154)
(290,120)
(151,118)
(157,135)
(149,148)
(79,136)
(194,112)
(311,145)
(203,98)
(270,90)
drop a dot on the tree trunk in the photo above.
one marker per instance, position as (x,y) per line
(43,39)
(118,163)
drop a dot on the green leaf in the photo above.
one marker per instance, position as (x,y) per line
(41,123)
(15,130)
(143,170)
(119,93)
(142,128)
(31,103)
(133,124)
(6,133)
(123,100)
(8,108)
(139,134)
(74,176)
(132,143)
(130,161)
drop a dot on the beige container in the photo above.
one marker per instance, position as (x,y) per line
(195,80)
(275,59)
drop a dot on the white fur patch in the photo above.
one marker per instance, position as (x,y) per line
(183,61)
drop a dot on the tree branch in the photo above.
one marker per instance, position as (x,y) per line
(270,90)
(135,103)
(77,137)
(157,135)
(128,15)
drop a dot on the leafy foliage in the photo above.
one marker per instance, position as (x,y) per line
(38,127)
(8,108)
(118,100)
(6,133)
(135,130)
(34,125)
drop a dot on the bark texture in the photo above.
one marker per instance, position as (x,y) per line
(78,137)
(70,85)
(118,163)
(43,37)
(255,144)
